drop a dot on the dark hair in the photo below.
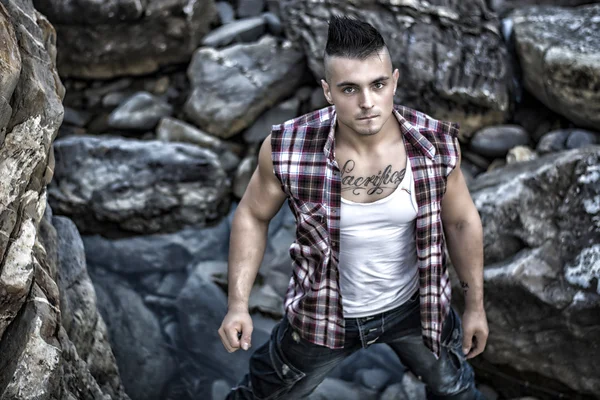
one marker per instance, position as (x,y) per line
(348,37)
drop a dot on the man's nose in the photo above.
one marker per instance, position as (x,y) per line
(366,100)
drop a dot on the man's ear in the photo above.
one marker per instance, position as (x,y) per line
(396,76)
(326,91)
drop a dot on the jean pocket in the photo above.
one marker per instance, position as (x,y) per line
(453,340)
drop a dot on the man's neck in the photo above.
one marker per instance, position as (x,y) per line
(364,144)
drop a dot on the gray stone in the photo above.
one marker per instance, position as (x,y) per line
(212,270)
(220,389)
(275,116)
(111,184)
(76,117)
(141,352)
(336,389)
(99,39)
(452,57)
(172,284)
(160,252)
(496,141)
(250,8)
(394,392)
(141,111)
(266,300)
(242,31)
(504,6)
(580,138)
(413,387)
(373,379)
(553,141)
(232,87)
(318,100)
(488,392)
(115,99)
(273,24)
(541,229)
(558,50)
(520,154)
(244,173)
(174,130)
(225,11)
(201,306)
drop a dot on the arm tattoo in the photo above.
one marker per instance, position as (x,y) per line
(465,286)
(375,184)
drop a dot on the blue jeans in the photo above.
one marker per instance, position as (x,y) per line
(289,367)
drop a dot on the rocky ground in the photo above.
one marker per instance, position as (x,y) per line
(129,130)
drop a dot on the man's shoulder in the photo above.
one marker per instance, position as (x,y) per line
(318,120)
(424,122)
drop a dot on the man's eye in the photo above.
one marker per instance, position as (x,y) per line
(348,90)
(379,85)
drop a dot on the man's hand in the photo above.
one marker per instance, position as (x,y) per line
(475,332)
(236,330)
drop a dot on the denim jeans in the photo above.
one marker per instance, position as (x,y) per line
(289,367)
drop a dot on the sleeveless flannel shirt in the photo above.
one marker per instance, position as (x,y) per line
(303,152)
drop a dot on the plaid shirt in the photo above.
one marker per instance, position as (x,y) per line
(304,162)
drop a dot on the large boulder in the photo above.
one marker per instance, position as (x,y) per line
(452,58)
(105,39)
(233,86)
(559,52)
(541,224)
(111,184)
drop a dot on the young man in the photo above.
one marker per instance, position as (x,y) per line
(377,191)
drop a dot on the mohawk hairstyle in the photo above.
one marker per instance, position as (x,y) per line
(351,38)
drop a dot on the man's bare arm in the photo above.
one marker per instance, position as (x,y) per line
(261,201)
(464,237)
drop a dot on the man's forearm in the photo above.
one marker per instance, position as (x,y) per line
(465,245)
(246,250)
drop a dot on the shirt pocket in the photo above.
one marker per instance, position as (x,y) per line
(311,227)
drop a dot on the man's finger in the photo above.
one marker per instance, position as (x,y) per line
(232,338)
(467,343)
(246,337)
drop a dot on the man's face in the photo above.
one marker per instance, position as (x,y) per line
(361,90)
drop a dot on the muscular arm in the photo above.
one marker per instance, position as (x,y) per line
(464,238)
(261,201)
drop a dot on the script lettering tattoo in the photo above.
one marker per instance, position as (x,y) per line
(465,286)
(374,184)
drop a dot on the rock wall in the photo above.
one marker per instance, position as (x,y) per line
(53,343)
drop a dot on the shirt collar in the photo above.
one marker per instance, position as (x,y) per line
(409,131)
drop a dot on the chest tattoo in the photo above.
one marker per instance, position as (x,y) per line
(374,184)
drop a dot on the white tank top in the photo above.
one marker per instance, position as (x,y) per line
(378,257)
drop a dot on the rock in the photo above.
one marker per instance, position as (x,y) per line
(172,284)
(115,99)
(504,6)
(335,389)
(452,58)
(201,306)
(541,228)
(244,173)
(141,111)
(79,315)
(373,379)
(241,31)
(488,392)
(558,51)
(141,352)
(225,11)
(477,160)
(413,387)
(276,115)
(159,252)
(174,130)
(520,154)
(220,389)
(536,118)
(214,271)
(273,24)
(76,117)
(232,87)
(95,38)
(394,392)
(580,138)
(318,100)
(496,141)
(110,184)
(266,300)
(250,8)
(553,141)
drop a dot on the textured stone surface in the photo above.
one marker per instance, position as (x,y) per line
(95,37)
(232,87)
(496,141)
(559,51)
(452,58)
(142,111)
(107,184)
(541,224)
